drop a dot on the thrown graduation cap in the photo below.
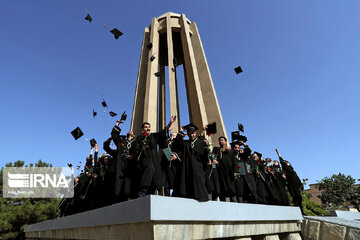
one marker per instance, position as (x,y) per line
(211,128)
(240,127)
(69,165)
(112,114)
(88,17)
(92,142)
(238,70)
(116,33)
(77,133)
(235,136)
(103,103)
(94,114)
(149,46)
(191,127)
(157,74)
(123,116)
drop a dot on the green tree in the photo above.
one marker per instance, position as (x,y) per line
(15,213)
(336,190)
(355,199)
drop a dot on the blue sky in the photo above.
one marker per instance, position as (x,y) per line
(298,92)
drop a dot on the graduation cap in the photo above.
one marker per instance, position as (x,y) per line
(259,154)
(88,17)
(123,116)
(240,127)
(103,103)
(94,114)
(242,138)
(116,33)
(211,128)
(69,165)
(112,114)
(152,57)
(92,142)
(157,74)
(149,46)
(238,70)
(234,143)
(77,133)
(235,136)
(191,127)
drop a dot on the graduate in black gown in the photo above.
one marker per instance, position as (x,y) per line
(226,159)
(245,185)
(294,185)
(172,167)
(279,181)
(148,158)
(193,165)
(260,178)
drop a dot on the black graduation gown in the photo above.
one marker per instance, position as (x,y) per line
(250,192)
(193,169)
(239,181)
(260,178)
(226,161)
(294,183)
(172,168)
(280,186)
(148,159)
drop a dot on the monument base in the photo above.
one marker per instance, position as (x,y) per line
(157,217)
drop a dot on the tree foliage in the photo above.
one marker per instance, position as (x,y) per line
(336,190)
(15,213)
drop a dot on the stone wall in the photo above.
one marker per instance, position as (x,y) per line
(330,228)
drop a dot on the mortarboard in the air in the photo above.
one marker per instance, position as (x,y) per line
(157,74)
(103,103)
(235,136)
(149,46)
(152,58)
(77,133)
(123,116)
(238,70)
(69,165)
(88,17)
(116,33)
(211,128)
(94,113)
(240,127)
(112,114)
(191,127)
(92,142)
(242,138)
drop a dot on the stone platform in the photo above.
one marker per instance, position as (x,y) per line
(157,217)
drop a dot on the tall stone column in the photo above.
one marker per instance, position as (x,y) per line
(174,36)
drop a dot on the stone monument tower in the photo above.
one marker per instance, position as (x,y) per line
(172,40)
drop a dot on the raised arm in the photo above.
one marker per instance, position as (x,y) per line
(107,148)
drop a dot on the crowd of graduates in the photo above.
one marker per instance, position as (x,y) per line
(171,164)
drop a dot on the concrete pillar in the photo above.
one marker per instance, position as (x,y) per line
(162,99)
(150,102)
(173,91)
(195,99)
(151,91)
(212,107)
(138,108)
